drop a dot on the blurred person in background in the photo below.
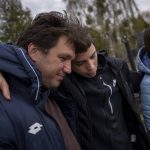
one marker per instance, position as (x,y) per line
(143,64)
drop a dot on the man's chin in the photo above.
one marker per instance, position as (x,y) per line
(53,85)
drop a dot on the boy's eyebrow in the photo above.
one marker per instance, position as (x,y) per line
(83,61)
(80,61)
(93,53)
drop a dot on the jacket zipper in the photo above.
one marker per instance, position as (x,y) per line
(37,78)
(110,88)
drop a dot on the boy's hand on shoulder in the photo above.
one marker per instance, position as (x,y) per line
(4,88)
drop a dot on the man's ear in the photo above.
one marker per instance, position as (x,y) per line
(33,51)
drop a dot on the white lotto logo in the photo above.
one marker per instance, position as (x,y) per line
(114,82)
(35,128)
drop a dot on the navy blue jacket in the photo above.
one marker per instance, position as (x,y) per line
(23,126)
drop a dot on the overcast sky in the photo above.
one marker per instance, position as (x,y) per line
(37,6)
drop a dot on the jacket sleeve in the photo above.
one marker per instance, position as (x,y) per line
(133,78)
(136,78)
(7,136)
(145,100)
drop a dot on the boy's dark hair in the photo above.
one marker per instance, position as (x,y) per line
(84,40)
(47,28)
(147,39)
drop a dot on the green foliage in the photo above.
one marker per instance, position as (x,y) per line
(99,41)
(13,19)
(100,7)
(90,9)
(139,23)
(146,15)
(89,19)
(110,20)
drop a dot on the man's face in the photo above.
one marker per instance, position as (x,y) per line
(56,63)
(85,64)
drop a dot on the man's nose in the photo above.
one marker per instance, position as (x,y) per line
(67,67)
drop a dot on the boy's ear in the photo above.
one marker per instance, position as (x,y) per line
(33,52)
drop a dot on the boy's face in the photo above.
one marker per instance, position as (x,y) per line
(85,64)
(56,63)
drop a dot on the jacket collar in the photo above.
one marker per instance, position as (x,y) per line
(15,61)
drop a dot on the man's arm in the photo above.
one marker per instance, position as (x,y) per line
(4,87)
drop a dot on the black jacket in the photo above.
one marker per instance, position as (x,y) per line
(71,98)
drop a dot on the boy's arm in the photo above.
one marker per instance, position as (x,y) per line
(136,78)
(133,78)
(4,87)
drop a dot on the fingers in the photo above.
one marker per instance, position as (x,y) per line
(5,90)
(4,87)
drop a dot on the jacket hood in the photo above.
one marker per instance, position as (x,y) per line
(15,61)
(141,66)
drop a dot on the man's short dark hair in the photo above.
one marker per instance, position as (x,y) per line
(46,29)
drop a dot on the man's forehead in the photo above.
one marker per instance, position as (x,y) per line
(68,55)
(66,52)
(84,55)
